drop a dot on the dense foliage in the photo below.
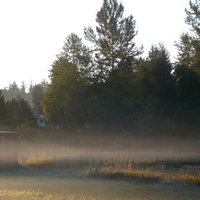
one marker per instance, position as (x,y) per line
(108,81)
(17,106)
(15,111)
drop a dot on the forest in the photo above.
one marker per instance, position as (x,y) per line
(108,83)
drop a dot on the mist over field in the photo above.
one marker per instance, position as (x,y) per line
(72,183)
(110,123)
(94,146)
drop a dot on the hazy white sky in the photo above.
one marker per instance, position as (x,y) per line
(32,32)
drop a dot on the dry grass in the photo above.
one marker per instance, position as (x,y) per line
(51,148)
(37,195)
(41,159)
(128,157)
(149,170)
(122,169)
(186,177)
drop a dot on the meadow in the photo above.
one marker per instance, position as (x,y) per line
(84,165)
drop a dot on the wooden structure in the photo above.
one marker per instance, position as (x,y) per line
(8,149)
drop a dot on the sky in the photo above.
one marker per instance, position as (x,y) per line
(32,32)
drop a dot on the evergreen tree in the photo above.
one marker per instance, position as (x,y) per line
(189,45)
(160,66)
(112,41)
(14,88)
(95,83)
(2,107)
(25,111)
(18,111)
(23,87)
(77,53)
(187,88)
(155,79)
(38,92)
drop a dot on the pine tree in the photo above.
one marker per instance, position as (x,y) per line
(2,107)
(112,41)
(76,52)
(189,45)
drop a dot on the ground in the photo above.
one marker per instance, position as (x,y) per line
(71,154)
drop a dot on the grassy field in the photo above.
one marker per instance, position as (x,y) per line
(59,165)
(58,184)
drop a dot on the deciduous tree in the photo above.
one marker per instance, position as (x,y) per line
(65,98)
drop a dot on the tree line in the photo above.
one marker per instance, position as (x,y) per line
(18,106)
(108,80)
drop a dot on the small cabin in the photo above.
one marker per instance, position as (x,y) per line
(8,149)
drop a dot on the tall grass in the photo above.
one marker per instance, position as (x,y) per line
(146,170)
(186,177)
(124,168)
(41,159)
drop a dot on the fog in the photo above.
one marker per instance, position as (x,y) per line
(113,146)
(71,183)
(98,147)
